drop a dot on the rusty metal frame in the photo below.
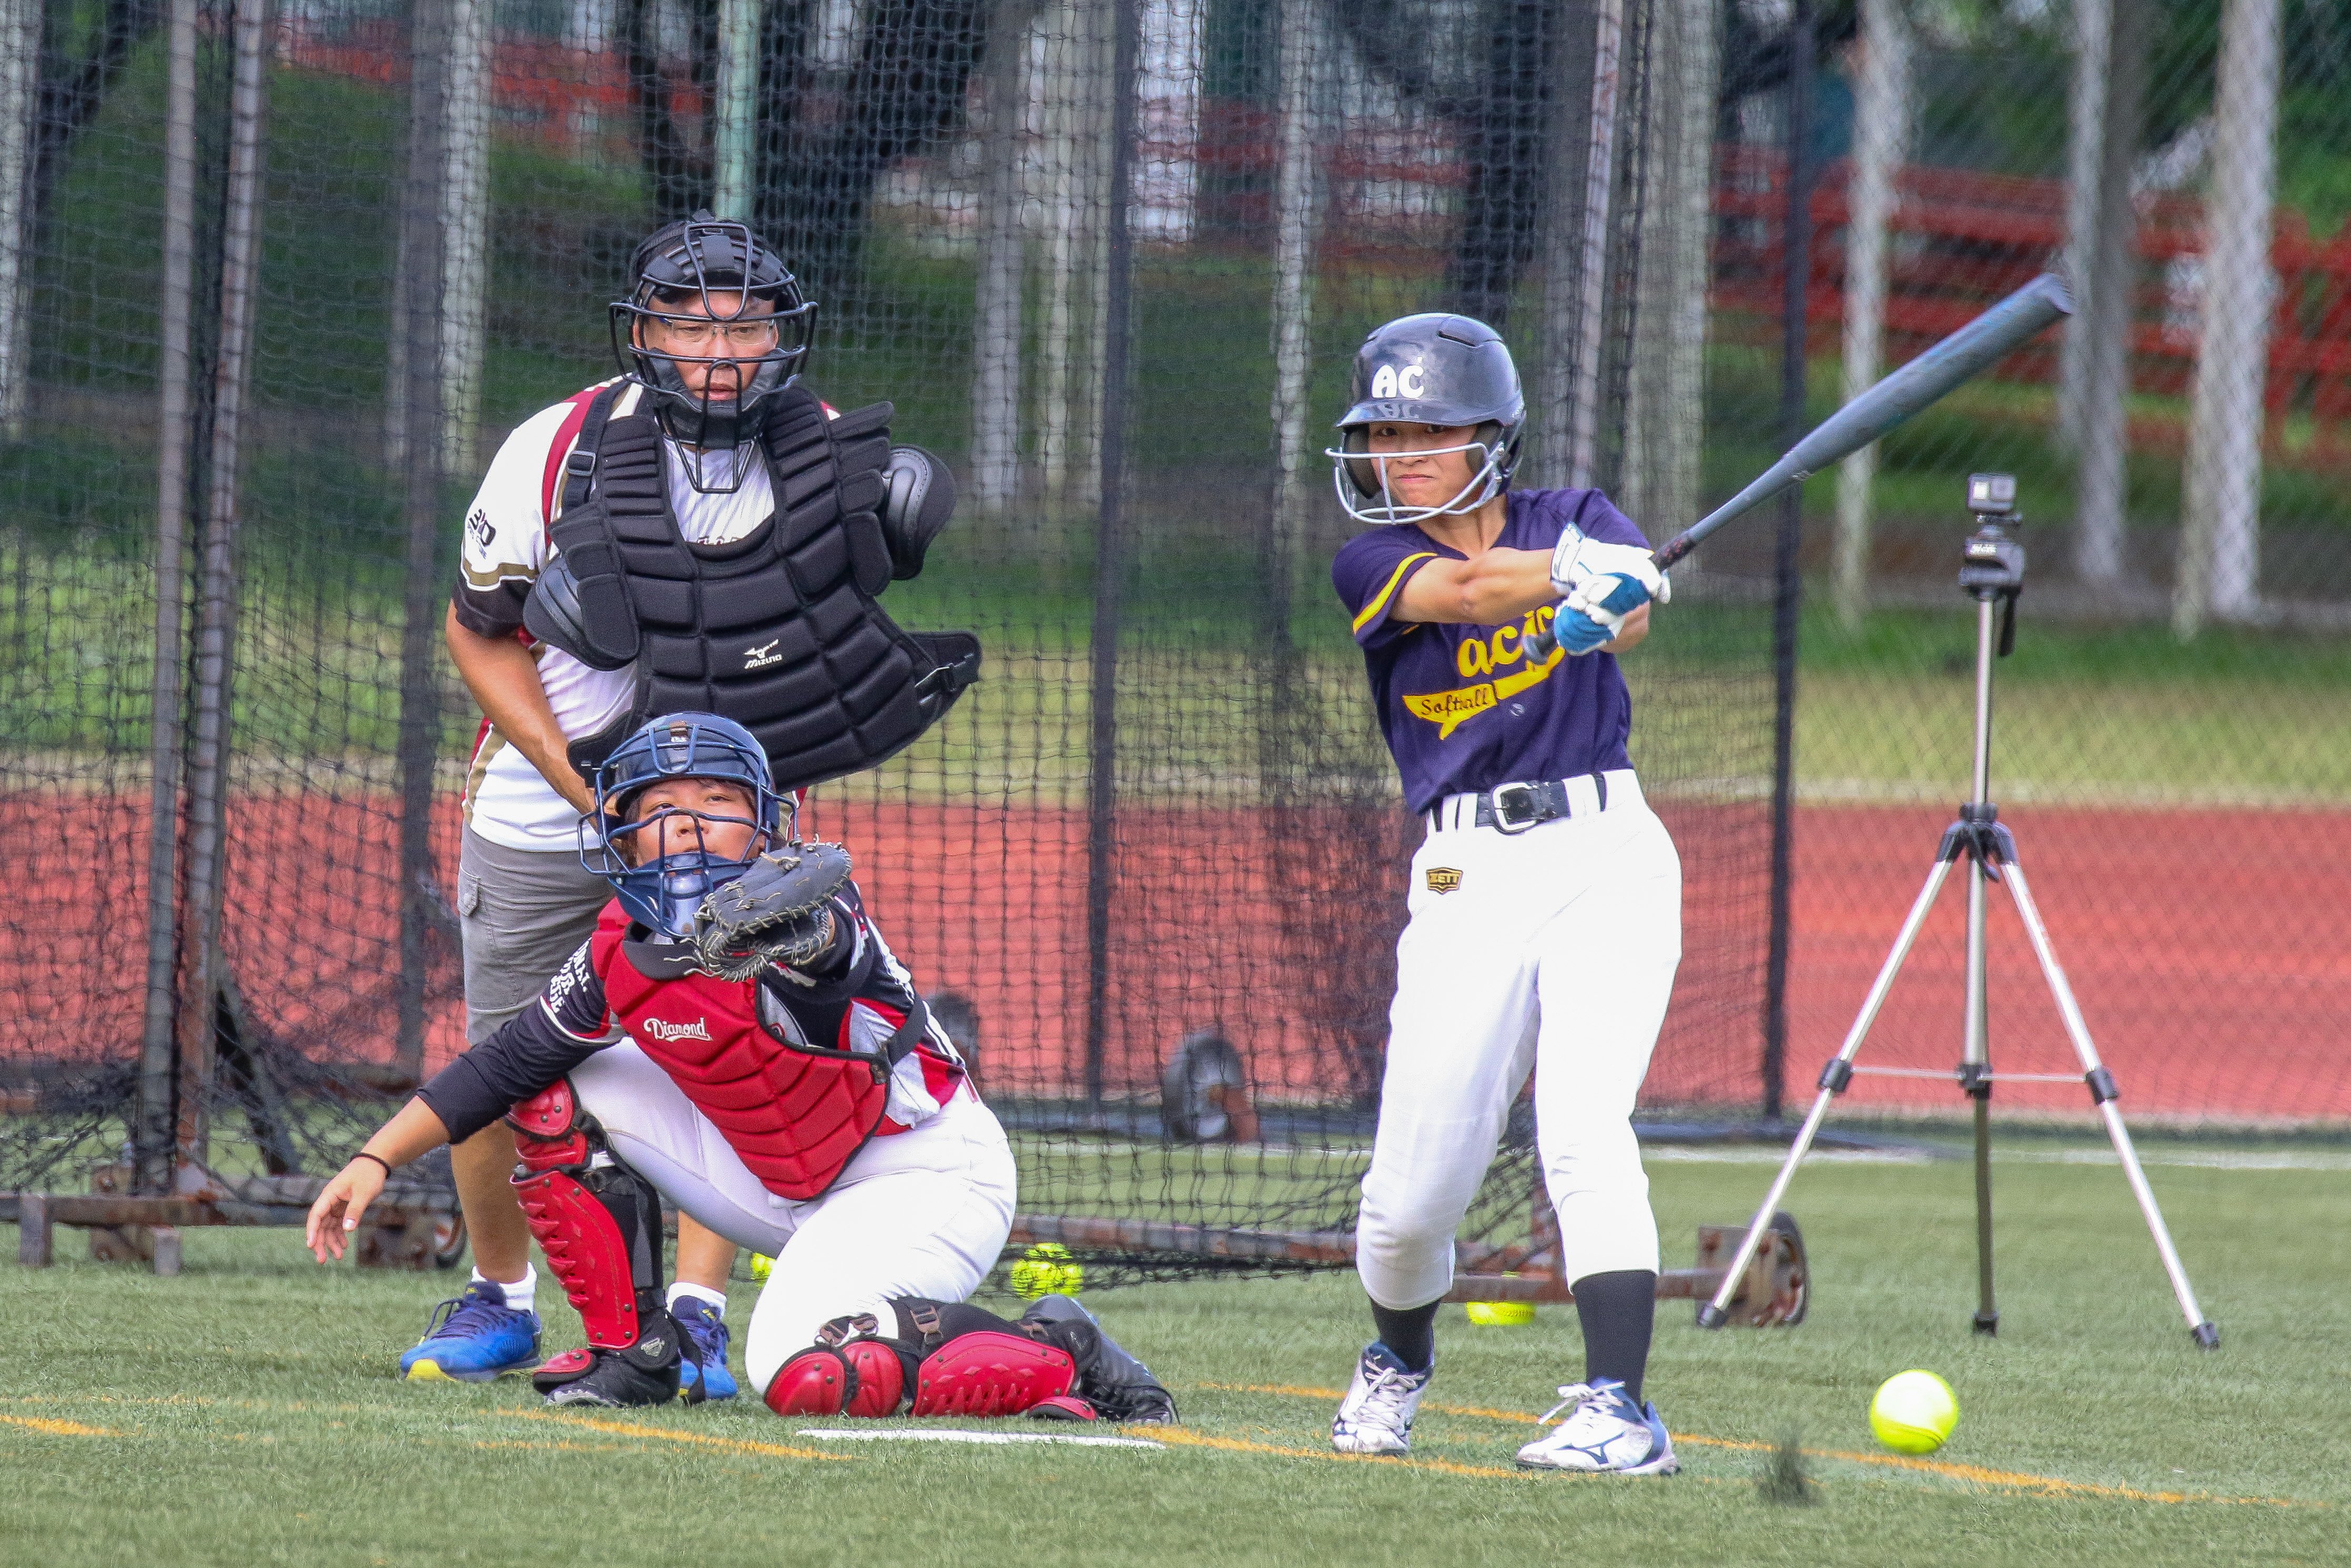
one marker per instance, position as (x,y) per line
(1775,1290)
(262,1200)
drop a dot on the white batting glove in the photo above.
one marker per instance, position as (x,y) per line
(1599,585)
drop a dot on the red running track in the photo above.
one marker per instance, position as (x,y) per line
(2208,947)
(2210,951)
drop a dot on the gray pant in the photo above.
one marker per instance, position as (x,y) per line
(522,913)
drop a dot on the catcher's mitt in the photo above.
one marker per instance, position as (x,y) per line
(779,911)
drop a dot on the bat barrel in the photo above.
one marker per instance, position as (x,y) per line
(1925,380)
(1993,335)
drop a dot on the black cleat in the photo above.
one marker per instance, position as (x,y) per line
(646,1373)
(1119,1387)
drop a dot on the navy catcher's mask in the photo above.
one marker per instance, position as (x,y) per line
(731,303)
(1429,370)
(662,893)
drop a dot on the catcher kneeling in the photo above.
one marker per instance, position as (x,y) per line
(737,1037)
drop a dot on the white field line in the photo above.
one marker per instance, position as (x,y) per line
(1773,1154)
(2194,1159)
(952,1435)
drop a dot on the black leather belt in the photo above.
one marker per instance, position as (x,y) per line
(1515,808)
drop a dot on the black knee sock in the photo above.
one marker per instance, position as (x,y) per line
(1618,1310)
(1411,1333)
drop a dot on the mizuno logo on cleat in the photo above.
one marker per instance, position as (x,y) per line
(661,1028)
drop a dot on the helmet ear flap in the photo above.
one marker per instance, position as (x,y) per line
(1364,477)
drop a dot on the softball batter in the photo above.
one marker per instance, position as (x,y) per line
(1546,904)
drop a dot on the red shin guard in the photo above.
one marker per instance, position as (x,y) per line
(598,1221)
(991,1374)
(586,1251)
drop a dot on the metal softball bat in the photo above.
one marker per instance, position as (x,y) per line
(1966,353)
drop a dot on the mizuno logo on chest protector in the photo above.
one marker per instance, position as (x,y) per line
(762,655)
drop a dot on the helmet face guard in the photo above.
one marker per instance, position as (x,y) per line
(1361,478)
(662,892)
(1449,371)
(724,302)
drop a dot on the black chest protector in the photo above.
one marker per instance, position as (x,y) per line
(778,630)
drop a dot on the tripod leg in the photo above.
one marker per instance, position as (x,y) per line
(1833,1079)
(2103,1093)
(1975,1077)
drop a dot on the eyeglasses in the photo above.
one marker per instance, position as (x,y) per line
(700,332)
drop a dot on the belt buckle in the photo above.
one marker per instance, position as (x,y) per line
(1505,820)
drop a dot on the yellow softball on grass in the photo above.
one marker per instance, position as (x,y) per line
(1914,1412)
(1048,1269)
(1501,1315)
(761,1267)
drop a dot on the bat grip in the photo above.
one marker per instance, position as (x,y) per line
(1541,644)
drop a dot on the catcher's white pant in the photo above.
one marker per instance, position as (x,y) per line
(920,1213)
(1554,951)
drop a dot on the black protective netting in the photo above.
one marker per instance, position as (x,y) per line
(1110,257)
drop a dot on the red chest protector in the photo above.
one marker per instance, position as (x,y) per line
(796,1115)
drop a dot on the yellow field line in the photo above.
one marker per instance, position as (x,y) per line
(669,1433)
(2018,1480)
(59,1429)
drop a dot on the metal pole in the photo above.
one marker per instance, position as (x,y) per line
(151,1135)
(1296,216)
(20,56)
(1592,272)
(1665,417)
(1788,583)
(997,305)
(1975,1061)
(738,89)
(464,231)
(1881,129)
(2219,533)
(420,325)
(216,596)
(2097,343)
(1110,556)
(2085,117)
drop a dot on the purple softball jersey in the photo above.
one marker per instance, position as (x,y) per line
(1462,707)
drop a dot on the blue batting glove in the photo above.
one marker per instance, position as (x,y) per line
(1580,633)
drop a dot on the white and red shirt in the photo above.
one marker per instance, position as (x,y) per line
(507,545)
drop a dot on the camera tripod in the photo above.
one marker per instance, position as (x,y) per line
(1991,572)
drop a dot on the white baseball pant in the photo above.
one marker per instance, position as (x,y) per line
(1555,952)
(919,1213)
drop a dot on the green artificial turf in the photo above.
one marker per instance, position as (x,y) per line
(245,1413)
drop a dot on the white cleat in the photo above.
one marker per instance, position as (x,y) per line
(1376,1416)
(1605,1434)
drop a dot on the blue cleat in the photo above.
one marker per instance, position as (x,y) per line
(702,1373)
(474,1338)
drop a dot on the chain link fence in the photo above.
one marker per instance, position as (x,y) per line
(277,281)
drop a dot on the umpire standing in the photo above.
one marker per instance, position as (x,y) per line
(627,556)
